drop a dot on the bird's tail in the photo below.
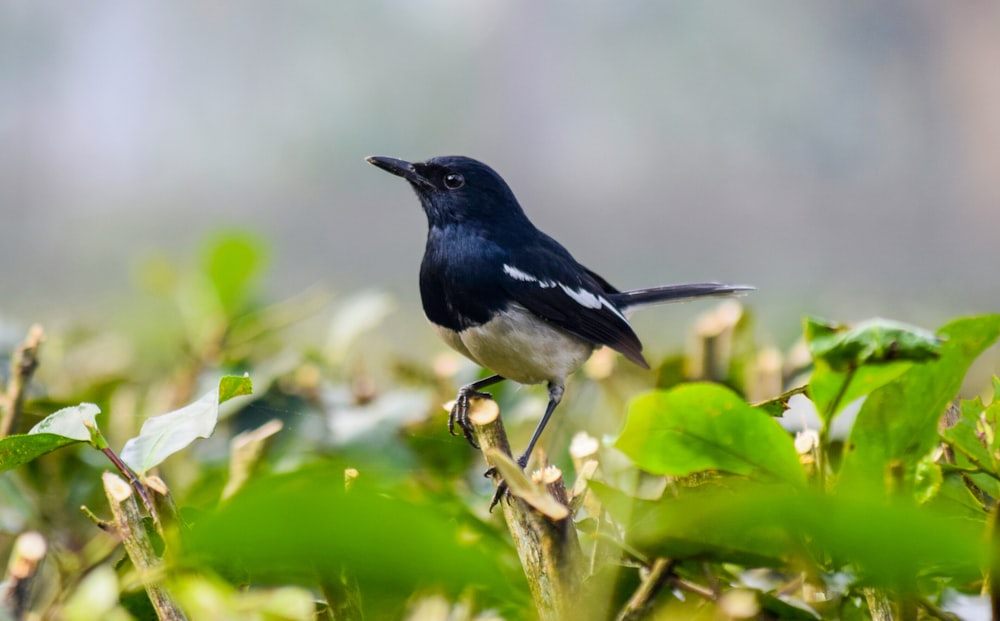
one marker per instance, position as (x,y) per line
(629,300)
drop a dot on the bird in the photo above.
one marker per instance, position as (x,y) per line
(511,298)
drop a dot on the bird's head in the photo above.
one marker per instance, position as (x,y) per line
(457,189)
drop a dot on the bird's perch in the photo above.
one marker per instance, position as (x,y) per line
(548,548)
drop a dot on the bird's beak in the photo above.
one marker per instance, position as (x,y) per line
(400,168)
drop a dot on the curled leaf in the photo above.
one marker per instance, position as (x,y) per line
(870,342)
(162,436)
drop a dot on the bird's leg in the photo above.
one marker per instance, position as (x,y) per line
(555,396)
(460,411)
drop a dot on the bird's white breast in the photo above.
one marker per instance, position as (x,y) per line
(520,346)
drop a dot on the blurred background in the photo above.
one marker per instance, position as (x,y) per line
(842,157)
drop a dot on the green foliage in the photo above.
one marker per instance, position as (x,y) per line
(233,262)
(697,427)
(62,428)
(898,423)
(884,540)
(362,501)
(849,362)
(874,341)
(161,436)
(18,450)
(891,516)
(974,440)
(306,522)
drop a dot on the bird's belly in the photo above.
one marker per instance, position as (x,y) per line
(519,346)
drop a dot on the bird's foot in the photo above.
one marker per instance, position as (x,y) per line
(460,413)
(503,491)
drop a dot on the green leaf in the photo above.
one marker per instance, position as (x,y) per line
(927,480)
(233,262)
(70,422)
(697,427)
(869,342)
(306,522)
(21,449)
(897,424)
(887,542)
(786,609)
(162,436)
(826,384)
(61,428)
(234,386)
(777,406)
(973,439)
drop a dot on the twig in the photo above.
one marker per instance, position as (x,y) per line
(22,366)
(638,605)
(549,549)
(978,467)
(879,604)
(163,500)
(135,482)
(712,355)
(691,587)
(246,450)
(937,613)
(128,524)
(25,558)
(105,525)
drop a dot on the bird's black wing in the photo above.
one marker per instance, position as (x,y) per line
(545,279)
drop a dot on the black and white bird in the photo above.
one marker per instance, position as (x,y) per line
(509,297)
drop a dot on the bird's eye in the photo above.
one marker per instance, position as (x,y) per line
(453,181)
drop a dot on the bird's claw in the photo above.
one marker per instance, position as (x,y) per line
(460,414)
(502,491)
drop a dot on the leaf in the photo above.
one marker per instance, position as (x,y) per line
(231,386)
(850,362)
(786,608)
(162,436)
(826,384)
(233,261)
(697,427)
(21,449)
(897,424)
(870,342)
(305,521)
(70,422)
(927,480)
(887,542)
(973,438)
(61,428)
(777,406)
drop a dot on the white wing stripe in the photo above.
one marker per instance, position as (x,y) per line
(583,298)
(517,274)
(580,296)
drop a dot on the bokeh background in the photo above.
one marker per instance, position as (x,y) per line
(842,157)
